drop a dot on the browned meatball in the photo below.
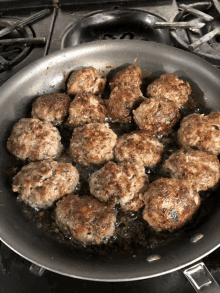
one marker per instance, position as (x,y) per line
(198,167)
(35,140)
(39,184)
(85,79)
(201,132)
(170,203)
(157,115)
(85,219)
(124,182)
(170,87)
(122,101)
(129,76)
(92,144)
(86,108)
(51,108)
(139,147)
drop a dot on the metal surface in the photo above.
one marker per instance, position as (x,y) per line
(47,75)
(195,24)
(24,22)
(217,5)
(115,24)
(55,11)
(30,41)
(207,50)
(24,32)
(4,63)
(201,279)
(36,270)
(196,238)
(196,12)
(8,53)
(204,39)
(200,6)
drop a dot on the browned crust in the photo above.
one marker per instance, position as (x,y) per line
(34,139)
(170,203)
(170,87)
(51,108)
(129,76)
(85,219)
(39,184)
(92,144)
(86,108)
(139,147)
(198,167)
(86,79)
(157,116)
(201,132)
(122,101)
(125,181)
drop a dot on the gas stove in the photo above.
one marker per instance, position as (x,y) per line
(69,23)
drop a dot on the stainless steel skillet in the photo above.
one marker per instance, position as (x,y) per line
(48,75)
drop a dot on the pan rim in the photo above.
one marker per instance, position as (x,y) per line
(114,280)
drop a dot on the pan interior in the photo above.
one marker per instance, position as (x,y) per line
(48,75)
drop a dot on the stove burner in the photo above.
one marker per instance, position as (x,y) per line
(116,24)
(190,39)
(10,55)
(212,25)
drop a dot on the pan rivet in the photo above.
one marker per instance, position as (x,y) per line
(153,258)
(196,238)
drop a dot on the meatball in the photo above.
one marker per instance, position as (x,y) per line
(157,115)
(85,79)
(125,181)
(85,219)
(201,132)
(51,108)
(122,101)
(170,87)
(129,76)
(198,167)
(86,108)
(40,184)
(35,140)
(92,144)
(170,203)
(139,147)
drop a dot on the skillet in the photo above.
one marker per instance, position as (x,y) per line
(48,75)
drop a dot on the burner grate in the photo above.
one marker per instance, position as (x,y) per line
(12,54)
(204,42)
(16,39)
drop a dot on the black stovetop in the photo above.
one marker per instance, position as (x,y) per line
(15,275)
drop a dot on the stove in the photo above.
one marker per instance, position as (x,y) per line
(54,26)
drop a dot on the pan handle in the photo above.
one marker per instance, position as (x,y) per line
(201,279)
